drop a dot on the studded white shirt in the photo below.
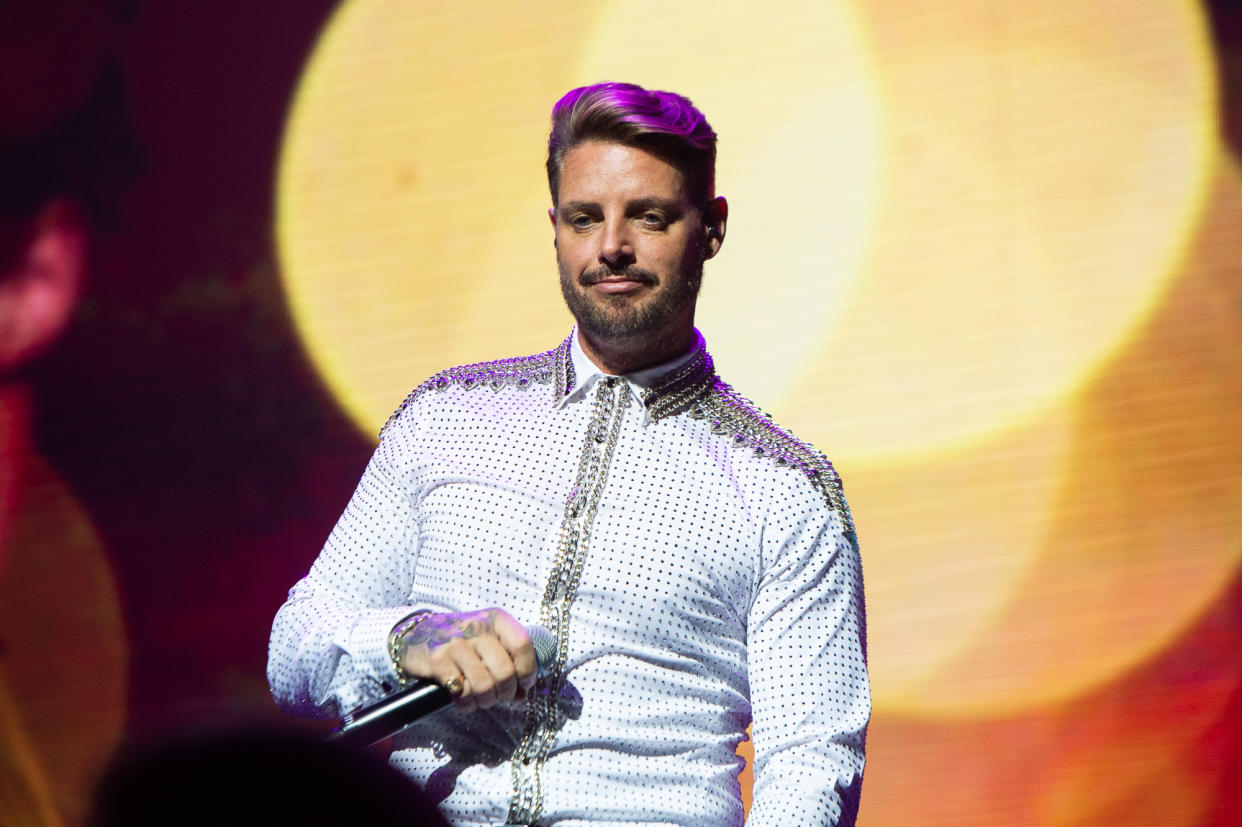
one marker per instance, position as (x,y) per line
(698,564)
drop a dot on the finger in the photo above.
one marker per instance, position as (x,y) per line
(480,685)
(499,663)
(514,638)
(456,662)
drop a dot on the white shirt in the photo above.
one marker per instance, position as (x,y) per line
(697,562)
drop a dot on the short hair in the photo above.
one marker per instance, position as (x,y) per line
(663,123)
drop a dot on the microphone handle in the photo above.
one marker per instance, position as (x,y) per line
(396,712)
(391,715)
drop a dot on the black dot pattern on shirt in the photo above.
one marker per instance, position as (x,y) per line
(720,584)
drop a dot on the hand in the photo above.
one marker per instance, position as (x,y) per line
(487,651)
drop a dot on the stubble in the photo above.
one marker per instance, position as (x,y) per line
(625,316)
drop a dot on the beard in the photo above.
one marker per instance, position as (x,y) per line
(625,316)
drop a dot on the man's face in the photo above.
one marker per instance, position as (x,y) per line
(630,245)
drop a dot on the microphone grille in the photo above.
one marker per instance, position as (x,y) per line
(545,647)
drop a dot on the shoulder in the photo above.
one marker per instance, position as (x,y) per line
(737,419)
(519,372)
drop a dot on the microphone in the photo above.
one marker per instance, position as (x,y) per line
(399,710)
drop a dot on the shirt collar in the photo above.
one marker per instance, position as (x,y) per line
(641,383)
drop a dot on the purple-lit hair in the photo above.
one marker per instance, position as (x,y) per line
(662,123)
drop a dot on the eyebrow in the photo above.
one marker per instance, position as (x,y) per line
(577,206)
(667,204)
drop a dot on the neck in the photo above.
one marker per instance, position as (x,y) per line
(623,356)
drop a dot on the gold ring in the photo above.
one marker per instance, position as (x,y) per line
(455,686)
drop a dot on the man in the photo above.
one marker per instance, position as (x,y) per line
(696,563)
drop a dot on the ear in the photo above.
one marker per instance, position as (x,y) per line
(39,291)
(715,217)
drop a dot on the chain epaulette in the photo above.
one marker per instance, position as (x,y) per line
(696,390)
(739,420)
(550,367)
(693,389)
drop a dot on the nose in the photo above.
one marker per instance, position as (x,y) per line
(615,247)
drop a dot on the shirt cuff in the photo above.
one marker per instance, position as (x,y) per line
(368,643)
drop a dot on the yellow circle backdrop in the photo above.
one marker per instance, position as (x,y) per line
(946,221)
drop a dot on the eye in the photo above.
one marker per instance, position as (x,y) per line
(580,221)
(653,220)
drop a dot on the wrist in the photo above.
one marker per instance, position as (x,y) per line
(397,643)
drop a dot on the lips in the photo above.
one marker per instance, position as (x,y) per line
(615,286)
(609,280)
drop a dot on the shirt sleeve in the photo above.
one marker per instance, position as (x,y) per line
(810,696)
(328,652)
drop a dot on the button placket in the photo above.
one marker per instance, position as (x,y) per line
(544,715)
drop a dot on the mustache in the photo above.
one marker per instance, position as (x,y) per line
(631,273)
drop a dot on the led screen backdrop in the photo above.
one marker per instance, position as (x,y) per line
(986,256)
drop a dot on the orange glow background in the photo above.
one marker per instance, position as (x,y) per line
(973,254)
(986,255)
